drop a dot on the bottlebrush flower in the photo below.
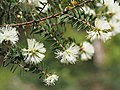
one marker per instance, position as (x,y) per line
(50,80)
(101,31)
(87,51)
(70,55)
(35,52)
(8,34)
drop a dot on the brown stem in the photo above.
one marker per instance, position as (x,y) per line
(49,17)
(83,21)
(55,39)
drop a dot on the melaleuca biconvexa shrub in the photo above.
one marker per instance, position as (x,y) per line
(29,27)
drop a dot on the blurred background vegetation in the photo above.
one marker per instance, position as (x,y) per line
(90,75)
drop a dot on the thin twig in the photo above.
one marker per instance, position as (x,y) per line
(49,17)
(55,39)
(83,21)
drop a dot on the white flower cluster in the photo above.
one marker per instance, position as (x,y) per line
(71,54)
(24,1)
(106,27)
(36,3)
(8,34)
(101,31)
(50,80)
(88,10)
(40,5)
(87,51)
(34,54)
